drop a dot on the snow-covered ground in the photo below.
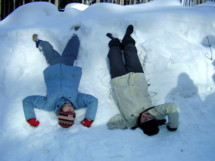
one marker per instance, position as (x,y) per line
(173,45)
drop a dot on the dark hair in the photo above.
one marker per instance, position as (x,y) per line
(137,122)
(150,127)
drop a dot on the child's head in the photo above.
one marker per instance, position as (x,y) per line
(148,124)
(66,116)
(67,108)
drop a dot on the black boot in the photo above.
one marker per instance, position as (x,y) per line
(129,30)
(127,39)
(114,41)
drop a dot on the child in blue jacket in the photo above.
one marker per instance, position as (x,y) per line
(62,81)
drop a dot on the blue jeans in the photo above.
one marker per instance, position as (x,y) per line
(68,56)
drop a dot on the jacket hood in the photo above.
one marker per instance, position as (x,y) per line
(62,101)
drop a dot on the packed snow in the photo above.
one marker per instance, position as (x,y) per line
(176,46)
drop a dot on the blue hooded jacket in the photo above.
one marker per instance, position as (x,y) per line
(62,84)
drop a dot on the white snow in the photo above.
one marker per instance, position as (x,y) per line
(172,43)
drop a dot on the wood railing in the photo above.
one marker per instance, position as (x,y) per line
(7,6)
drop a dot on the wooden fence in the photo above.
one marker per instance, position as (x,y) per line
(7,6)
(193,2)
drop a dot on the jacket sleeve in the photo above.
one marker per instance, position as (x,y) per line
(168,109)
(31,102)
(90,103)
(173,116)
(117,122)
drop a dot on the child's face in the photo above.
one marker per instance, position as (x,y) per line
(68,108)
(145,117)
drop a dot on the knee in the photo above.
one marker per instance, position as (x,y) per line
(127,40)
(114,43)
(75,38)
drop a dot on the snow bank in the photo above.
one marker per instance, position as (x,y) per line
(173,44)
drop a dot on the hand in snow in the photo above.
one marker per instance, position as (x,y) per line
(86,122)
(171,129)
(33,122)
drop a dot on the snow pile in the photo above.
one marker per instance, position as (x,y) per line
(173,45)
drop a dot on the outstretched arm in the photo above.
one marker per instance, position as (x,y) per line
(29,103)
(90,103)
(171,111)
(117,122)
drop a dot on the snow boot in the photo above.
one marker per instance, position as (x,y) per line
(127,39)
(35,39)
(114,41)
(110,36)
(75,27)
(129,30)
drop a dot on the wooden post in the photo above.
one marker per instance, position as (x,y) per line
(27,1)
(18,3)
(199,1)
(6,7)
(0,9)
(56,2)
(121,2)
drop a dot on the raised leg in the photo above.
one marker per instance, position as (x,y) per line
(51,55)
(132,61)
(117,66)
(70,52)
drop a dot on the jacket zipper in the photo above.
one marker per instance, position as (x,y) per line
(60,80)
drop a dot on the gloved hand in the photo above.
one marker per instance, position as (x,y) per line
(33,122)
(87,122)
(161,122)
(171,129)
